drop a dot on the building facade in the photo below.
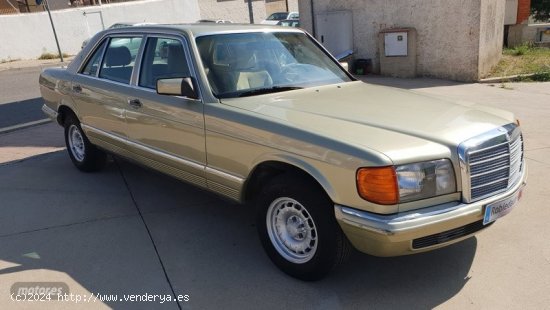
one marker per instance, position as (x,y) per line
(458,40)
(238,11)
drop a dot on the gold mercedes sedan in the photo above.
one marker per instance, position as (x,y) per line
(265,116)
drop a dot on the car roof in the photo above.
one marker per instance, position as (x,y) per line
(199,29)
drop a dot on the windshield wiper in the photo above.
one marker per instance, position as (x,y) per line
(268,90)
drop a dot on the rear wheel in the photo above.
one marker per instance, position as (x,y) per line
(298,230)
(84,155)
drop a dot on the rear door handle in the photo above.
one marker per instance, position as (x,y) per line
(77,88)
(135,103)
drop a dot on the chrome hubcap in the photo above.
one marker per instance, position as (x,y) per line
(291,230)
(76,143)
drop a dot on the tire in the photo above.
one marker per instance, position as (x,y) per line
(298,229)
(84,155)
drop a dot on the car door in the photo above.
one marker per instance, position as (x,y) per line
(101,88)
(167,131)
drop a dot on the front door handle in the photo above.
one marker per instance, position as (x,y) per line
(135,103)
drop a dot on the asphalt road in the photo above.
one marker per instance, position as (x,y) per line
(20,100)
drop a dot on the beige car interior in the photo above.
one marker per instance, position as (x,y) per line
(236,72)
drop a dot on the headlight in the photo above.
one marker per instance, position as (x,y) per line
(405,183)
(425,180)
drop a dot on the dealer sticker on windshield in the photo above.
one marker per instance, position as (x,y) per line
(500,208)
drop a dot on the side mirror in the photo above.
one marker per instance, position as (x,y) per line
(177,87)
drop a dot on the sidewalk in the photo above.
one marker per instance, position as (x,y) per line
(28,63)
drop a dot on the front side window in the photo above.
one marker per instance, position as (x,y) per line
(92,66)
(246,64)
(119,59)
(164,58)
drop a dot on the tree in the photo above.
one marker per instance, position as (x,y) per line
(540,9)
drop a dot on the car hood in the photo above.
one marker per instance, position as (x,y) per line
(356,112)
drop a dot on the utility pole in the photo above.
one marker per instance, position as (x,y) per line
(53,27)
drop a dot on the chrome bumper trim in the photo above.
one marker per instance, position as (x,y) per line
(417,219)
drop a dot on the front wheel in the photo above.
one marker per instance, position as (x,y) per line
(84,155)
(298,230)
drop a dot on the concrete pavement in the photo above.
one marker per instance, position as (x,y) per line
(20,100)
(129,230)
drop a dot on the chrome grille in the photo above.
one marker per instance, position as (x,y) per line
(491,162)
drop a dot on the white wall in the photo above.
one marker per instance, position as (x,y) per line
(27,36)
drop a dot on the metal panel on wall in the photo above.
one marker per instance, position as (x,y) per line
(335,31)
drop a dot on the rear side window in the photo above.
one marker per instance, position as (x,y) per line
(93,63)
(164,58)
(119,59)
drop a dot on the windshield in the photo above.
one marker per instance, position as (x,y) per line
(277,16)
(237,64)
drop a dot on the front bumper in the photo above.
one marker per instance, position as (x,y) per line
(393,235)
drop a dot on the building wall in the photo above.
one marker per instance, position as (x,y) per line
(6,8)
(491,35)
(449,31)
(30,35)
(237,10)
(293,5)
(272,6)
(511,12)
(233,10)
(524,11)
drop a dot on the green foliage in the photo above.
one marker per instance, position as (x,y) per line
(540,9)
(525,48)
(520,50)
(529,62)
(8,60)
(51,56)
(541,77)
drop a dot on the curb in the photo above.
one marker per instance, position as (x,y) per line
(24,125)
(501,79)
(33,63)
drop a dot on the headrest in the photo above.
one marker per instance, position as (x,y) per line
(177,63)
(118,56)
(243,60)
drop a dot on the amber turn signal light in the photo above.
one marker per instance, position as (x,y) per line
(378,185)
